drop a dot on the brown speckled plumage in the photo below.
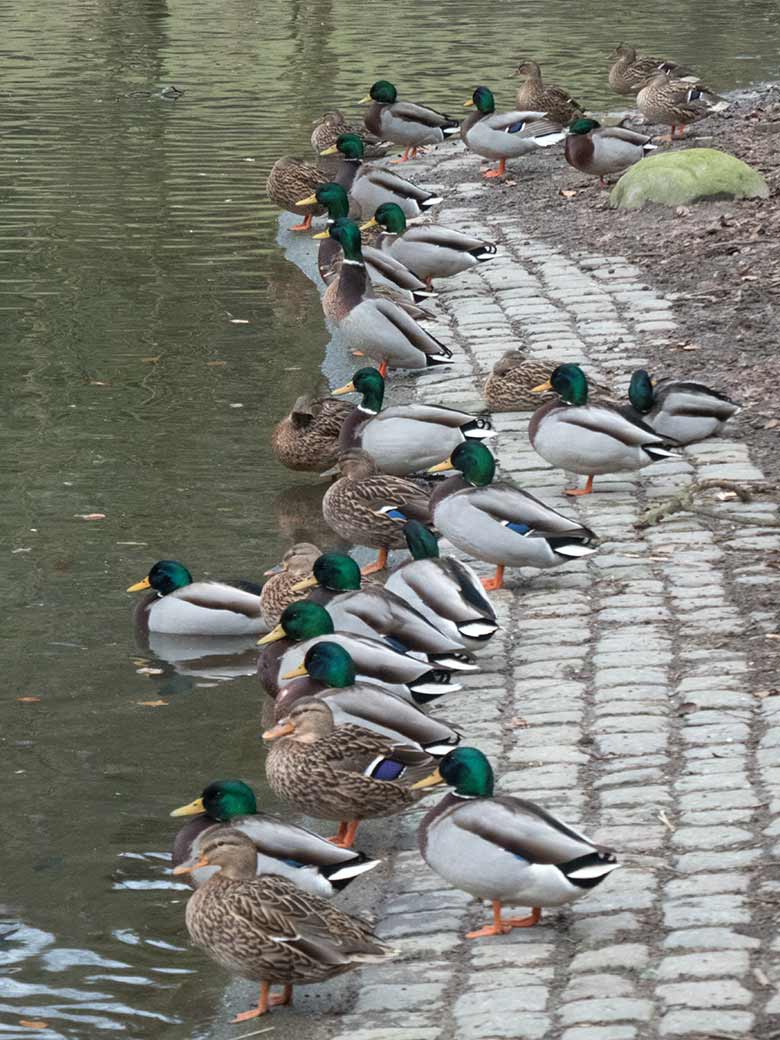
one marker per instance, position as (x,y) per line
(629,71)
(277,592)
(290,180)
(332,125)
(307,438)
(508,387)
(557,104)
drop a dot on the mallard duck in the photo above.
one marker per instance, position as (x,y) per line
(331,125)
(510,386)
(306,439)
(382,268)
(181,606)
(630,72)
(444,590)
(685,412)
(302,625)
(341,773)
(430,251)
(365,704)
(369,610)
(498,522)
(503,848)
(404,438)
(370,186)
(310,861)
(676,102)
(289,180)
(267,929)
(590,439)
(369,324)
(402,122)
(599,150)
(279,591)
(557,104)
(505,135)
(367,508)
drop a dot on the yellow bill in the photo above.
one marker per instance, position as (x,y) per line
(272,636)
(369,224)
(322,234)
(330,151)
(306,583)
(469,103)
(440,466)
(296,673)
(310,200)
(366,100)
(540,389)
(140,585)
(429,781)
(348,388)
(189,810)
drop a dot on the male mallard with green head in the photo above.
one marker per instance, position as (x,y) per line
(599,150)
(505,135)
(683,411)
(590,439)
(404,123)
(503,848)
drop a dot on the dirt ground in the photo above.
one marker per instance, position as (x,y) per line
(719,260)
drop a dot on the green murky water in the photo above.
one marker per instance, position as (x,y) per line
(152,332)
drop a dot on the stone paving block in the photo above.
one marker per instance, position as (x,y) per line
(707,1023)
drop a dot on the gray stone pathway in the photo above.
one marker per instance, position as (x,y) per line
(633,672)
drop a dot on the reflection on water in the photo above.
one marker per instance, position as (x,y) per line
(152,334)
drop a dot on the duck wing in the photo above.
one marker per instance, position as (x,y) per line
(522,512)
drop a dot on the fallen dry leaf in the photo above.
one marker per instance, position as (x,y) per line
(763,694)
(567,193)
(90,516)
(772,424)
(33,1023)
(28,700)
(147,670)
(151,704)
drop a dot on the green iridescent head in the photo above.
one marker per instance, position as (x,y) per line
(347,234)
(384,92)
(335,200)
(582,125)
(484,101)
(370,383)
(168,575)
(640,391)
(222,800)
(337,572)
(350,146)
(420,540)
(570,384)
(475,462)
(391,217)
(331,664)
(304,620)
(468,771)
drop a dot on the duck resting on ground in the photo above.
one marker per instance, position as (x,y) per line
(404,438)
(685,412)
(502,848)
(404,123)
(557,104)
(505,135)
(430,251)
(369,324)
(314,864)
(443,589)
(500,523)
(341,773)
(364,704)
(180,606)
(600,150)
(590,439)
(268,930)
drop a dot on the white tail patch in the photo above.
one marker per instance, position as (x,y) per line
(486,256)
(455,663)
(479,435)
(575,550)
(436,688)
(478,629)
(451,130)
(649,147)
(352,870)
(439,749)
(545,140)
(594,870)
(433,201)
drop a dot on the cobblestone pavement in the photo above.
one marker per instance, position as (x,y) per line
(633,670)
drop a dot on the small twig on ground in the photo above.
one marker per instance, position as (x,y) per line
(684,501)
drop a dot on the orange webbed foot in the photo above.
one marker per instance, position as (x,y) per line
(305,226)
(576,492)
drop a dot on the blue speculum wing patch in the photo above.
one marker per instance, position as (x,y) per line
(388,770)
(396,514)
(516,527)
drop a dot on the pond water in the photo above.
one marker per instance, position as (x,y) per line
(152,334)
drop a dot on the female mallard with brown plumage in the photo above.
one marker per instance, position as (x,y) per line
(279,591)
(510,386)
(676,102)
(340,773)
(403,122)
(557,104)
(630,72)
(599,150)
(310,861)
(370,324)
(368,508)
(307,437)
(590,439)
(331,125)
(291,180)
(267,929)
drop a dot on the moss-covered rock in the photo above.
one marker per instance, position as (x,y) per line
(678,178)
